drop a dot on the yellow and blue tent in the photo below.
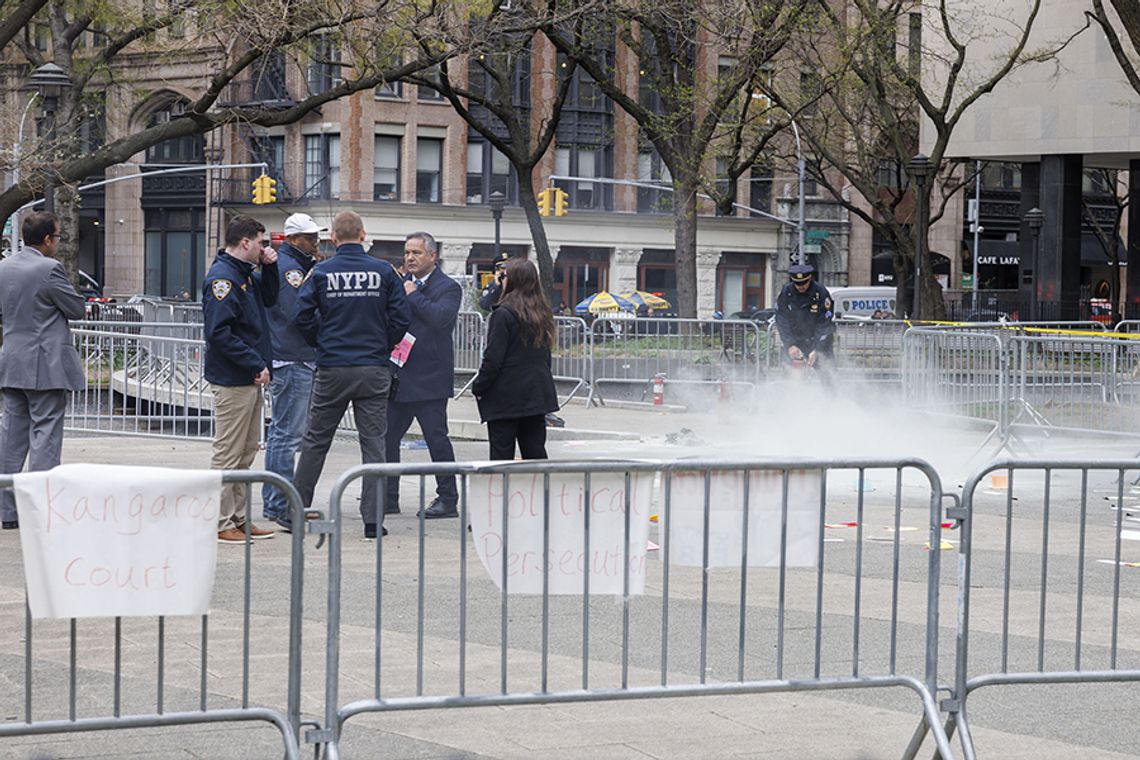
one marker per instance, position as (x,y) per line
(604,303)
(641,298)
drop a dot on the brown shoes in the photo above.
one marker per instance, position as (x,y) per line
(236,535)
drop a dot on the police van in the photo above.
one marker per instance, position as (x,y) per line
(873,302)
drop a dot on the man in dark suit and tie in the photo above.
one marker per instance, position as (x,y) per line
(39,365)
(427,378)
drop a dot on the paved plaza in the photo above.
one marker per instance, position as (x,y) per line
(1095,722)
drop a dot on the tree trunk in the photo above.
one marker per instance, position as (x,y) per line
(685,247)
(537,234)
(67,203)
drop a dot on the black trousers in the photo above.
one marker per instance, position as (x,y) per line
(333,389)
(432,416)
(528,432)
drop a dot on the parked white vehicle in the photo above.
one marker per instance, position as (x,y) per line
(864,302)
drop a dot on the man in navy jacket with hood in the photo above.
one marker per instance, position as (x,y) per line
(352,308)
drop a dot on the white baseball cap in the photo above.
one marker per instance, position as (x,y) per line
(302,224)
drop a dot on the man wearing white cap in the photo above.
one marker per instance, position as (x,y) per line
(294,362)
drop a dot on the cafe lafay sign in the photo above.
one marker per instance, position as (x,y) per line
(107,540)
(532,528)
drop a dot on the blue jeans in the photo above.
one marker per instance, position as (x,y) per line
(290,389)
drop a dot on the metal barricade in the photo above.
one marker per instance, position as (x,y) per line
(468,340)
(141,385)
(961,373)
(687,351)
(183,330)
(1128,326)
(572,356)
(717,615)
(101,676)
(1042,593)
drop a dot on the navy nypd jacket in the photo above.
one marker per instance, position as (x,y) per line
(234,298)
(429,373)
(352,308)
(288,343)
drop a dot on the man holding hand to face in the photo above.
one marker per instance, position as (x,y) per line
(238,358)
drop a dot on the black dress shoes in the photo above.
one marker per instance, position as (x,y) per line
(437,510)
(370,531)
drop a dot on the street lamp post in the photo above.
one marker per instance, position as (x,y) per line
(16,148)
(919,168)
(1035,219)
(497,202)
(800,168)
(49,81)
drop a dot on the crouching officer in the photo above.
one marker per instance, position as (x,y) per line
(804,318)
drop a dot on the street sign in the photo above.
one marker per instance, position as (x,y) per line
(812,248)
(8,227)
(816,236)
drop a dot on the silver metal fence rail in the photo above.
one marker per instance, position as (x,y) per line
(705,633)
(687,351)
(141,385)
(1051,589)
(183,682)
(953,372)
(468,339)
(1128,326)
(572,356)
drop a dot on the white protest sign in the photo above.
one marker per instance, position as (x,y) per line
(109,540)
(684,531)
(566,563)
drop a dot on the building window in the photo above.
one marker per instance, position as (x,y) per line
(1098,182)
(324,66)
(269,149)
(388,61)
(583,161)
(725,187)
(322,166)
(890,174)
(429,169)
(177,150)
(391,90)
(423,92)
(760,189)
(488,171)
(740,283)
(386,168)
(650,168)
(1001,176)
(811,88)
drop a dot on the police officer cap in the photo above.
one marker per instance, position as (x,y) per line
(800,272)
(502,259)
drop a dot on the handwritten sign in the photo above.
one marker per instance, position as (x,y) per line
(684,530)
(567,562)
(109,540)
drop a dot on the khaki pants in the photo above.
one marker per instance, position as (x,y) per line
(237,421)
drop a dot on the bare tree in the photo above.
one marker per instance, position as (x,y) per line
(1126,22)
(677,105)
(876,91)
(489,101)
(1107,231)
(97,45)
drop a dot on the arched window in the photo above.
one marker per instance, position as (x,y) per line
(179,150)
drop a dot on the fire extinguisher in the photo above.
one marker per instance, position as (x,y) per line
(659,389)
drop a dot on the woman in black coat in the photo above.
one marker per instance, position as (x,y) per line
(514,387)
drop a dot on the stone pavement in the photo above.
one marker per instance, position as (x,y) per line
(1021,722)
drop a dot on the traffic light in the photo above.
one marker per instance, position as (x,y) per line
(544,198)
(560,200)
(264,190)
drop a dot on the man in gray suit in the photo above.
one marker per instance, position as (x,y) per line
(38,361)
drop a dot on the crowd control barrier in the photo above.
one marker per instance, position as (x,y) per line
(106,677)
(1054,560)
(557,594)
(571,359)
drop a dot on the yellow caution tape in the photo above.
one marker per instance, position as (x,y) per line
(1034,330)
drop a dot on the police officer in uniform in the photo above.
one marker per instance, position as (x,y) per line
(490,295)
(353,309)
(239,355)
(803,317)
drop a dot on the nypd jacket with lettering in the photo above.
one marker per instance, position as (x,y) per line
(288,343)
(352,308)
(804,319)
(234,297)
